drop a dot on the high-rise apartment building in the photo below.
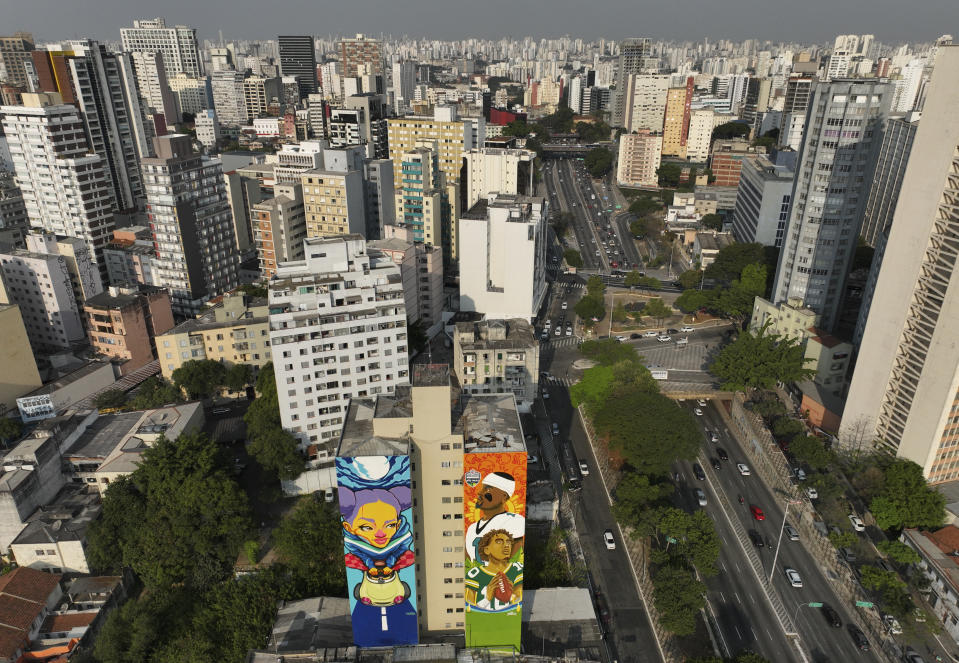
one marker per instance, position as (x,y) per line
(154,86)
(497,356)
(229,97)
(13,212)
(726,160)
(702,121)
(904,390)
(503,274)
(897,139)
(380,205)
(421,266)
(676,120)
(192,224)
(298,58)
(639,159)
(758,95)
(20,374)
(66,189)
(363,121)
(645,104)
(762,201)
(123,324)
(361,54)
(422,195)
(907,87)
(259,93)
(494,169)
(191,95)
(799,89)
(337,331)
(835,166)
(177,45)
(404,80)
(84,272)
(632,58)
(14,59)
(279,228)
(334,197)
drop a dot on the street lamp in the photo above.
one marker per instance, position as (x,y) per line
(782,527)
(812,604)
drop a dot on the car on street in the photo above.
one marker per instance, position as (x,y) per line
(757,512)
(857,523)
(685,328)
(544,336)
(700,497)
(858,637)
(800,473)
(635,336)
(713,437)
(664,338)
(555,428)
(609,540)
(621,339)
(565,305)
(569,331)
(698,471)
(743,469)
(792,575)
(559,330)
(651,333)
(221,410)
(716,464)
(583,468)
(722,453)
(791,533)
(672,331)
(812,493)
(756,539)
(912,656)
(698,412)
(831,616)
(701,403)
(545,395)
(892,625)
(530,458)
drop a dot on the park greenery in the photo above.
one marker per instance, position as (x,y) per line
(573,258)
(598,161)
(759,360)
(731,130)
(270,445)
(591,308)
(547,562)
(669,174)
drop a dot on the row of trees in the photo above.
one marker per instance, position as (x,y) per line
(270,445)
(592,306)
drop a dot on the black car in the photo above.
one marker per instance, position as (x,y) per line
(722,453)
(716,464)
(756,539)
(832,617)
(698,471)
(672,331)
(635,336)
(858,637)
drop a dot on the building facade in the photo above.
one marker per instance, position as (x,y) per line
(177,45)
(639,159)
(298,59)
(20,375)
(645,104)
(279,228)
(762,201)
(122,323)
(497,356)
(633,54)
(499,170)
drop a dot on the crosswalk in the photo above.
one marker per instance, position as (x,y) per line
(562,342)
(553,380)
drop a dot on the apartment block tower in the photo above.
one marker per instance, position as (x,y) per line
(66,188)
(229,98)
(834,169)
(337,331)
(154,86)
(192,224)
(298,58)
(361,54)
(645,103)
(279,228)
(14,56)
(799,88)
(422,195)
(676,119)
(334,197)
(177,45)
(633,54)
(904,396)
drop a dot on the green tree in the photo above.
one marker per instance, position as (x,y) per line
(636,495)
(110,399)
(640,227)
(650,430)
(235,617)
(906,499)
(255,290)
(310,540)
(200,377)
(810,449)
(10,429)
(898,552)
(760,360)
(644,205)
(843,539)
(787,428)
(678,597)
(737,300)
(764,141)
(712,221)
(271,446)
(732,259)
(669,174)
(608,351)
(691,279)
(593,388)
(650,283)
(573,258)
(892,590)
(547,562)
(590,309)
(693,300)
(598,161)
(155,392)
(595,286)
(238,376)
(655,308)
(632,279)
(619,313)
(731,130)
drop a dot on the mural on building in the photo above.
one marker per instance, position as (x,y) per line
(376,507)
(494,486)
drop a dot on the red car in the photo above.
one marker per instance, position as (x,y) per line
(757,512)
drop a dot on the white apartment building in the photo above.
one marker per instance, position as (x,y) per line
(702,121)
(422,268)
(229,99)
(503,274)
(762,201)
(153,84)
(645,104)
(501,170)
(207,128)
(337,331)
(66,188)
(191,95)
(497,356)
(259,93)
(178,44)
(639,159)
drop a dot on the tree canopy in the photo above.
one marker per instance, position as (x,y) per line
(732,259)
(678,597)
(155,392)
(271,446)
(712,221)
(573,258)
(898,552)
(308,540)
(669,174)
(693,300)
(691,278)
(655,308)
(598,161)
(811,450)
(906,499)
(760,360)
(200,377)
(736,301)
(590,309)
(608,351)
(731,130)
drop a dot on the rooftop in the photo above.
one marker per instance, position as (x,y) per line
(357,439)
(66,518)
(431,375)
(101,436)
(320,622)
(490,423)
(117,300)
(82,372)
(558,604)
(496,334)
(939,549)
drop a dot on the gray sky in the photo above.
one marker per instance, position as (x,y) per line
(891,21)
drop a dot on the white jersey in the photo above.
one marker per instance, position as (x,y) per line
(513,523)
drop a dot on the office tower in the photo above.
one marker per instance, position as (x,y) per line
(339,301)
(645,103)
(334,196)
(191,95)
(632,57)
(259,93)
(903,393)
(380,205)
(702,121)
(762,201)
(799,89)
(404,80)
(503,275)
(103,86)
(676,120)
(39,283)
(66,189)
(639,159)
(207,128)
(192,224)
(758,91)
(836,160)
(298,58)
(14,59)
(229,98)
(177,45)
(422,195)
(500,170)
(20,374)
(897,139)
(362,122)
(279,228)
(123,324)
(359,51)
(154,86)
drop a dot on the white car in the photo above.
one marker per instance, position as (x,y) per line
(892,625)
(685,328)
(701,497)
(651,333)
(800,473)
(812,493)
(698,412)
(664,338)
(792,575)
(743,469)
(569,331)
(857,523)
(609,540)
(583,468)
(564,306)
(621,339)
(701,403)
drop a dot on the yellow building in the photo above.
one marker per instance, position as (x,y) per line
(20,375)
(333,203)
(236,331)
(676,122)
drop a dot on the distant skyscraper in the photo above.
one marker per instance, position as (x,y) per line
(798,90)
(228,97)
(298,58)
(904,390)
(14,56)
(153,84)
(632,54)
(178,45)
(404,80)
(841,141)
(897,138)
(676,121)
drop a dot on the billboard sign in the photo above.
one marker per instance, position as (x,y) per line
(377,518)
(494,486)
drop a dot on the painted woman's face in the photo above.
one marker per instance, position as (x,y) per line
(376,522)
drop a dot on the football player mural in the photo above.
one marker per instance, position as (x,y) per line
(495,501)
(375,505)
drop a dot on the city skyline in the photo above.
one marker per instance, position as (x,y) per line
(892,22)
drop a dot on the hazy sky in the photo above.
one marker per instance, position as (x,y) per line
(891,21)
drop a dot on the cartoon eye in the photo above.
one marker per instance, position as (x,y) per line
(366,528)
(391,526)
